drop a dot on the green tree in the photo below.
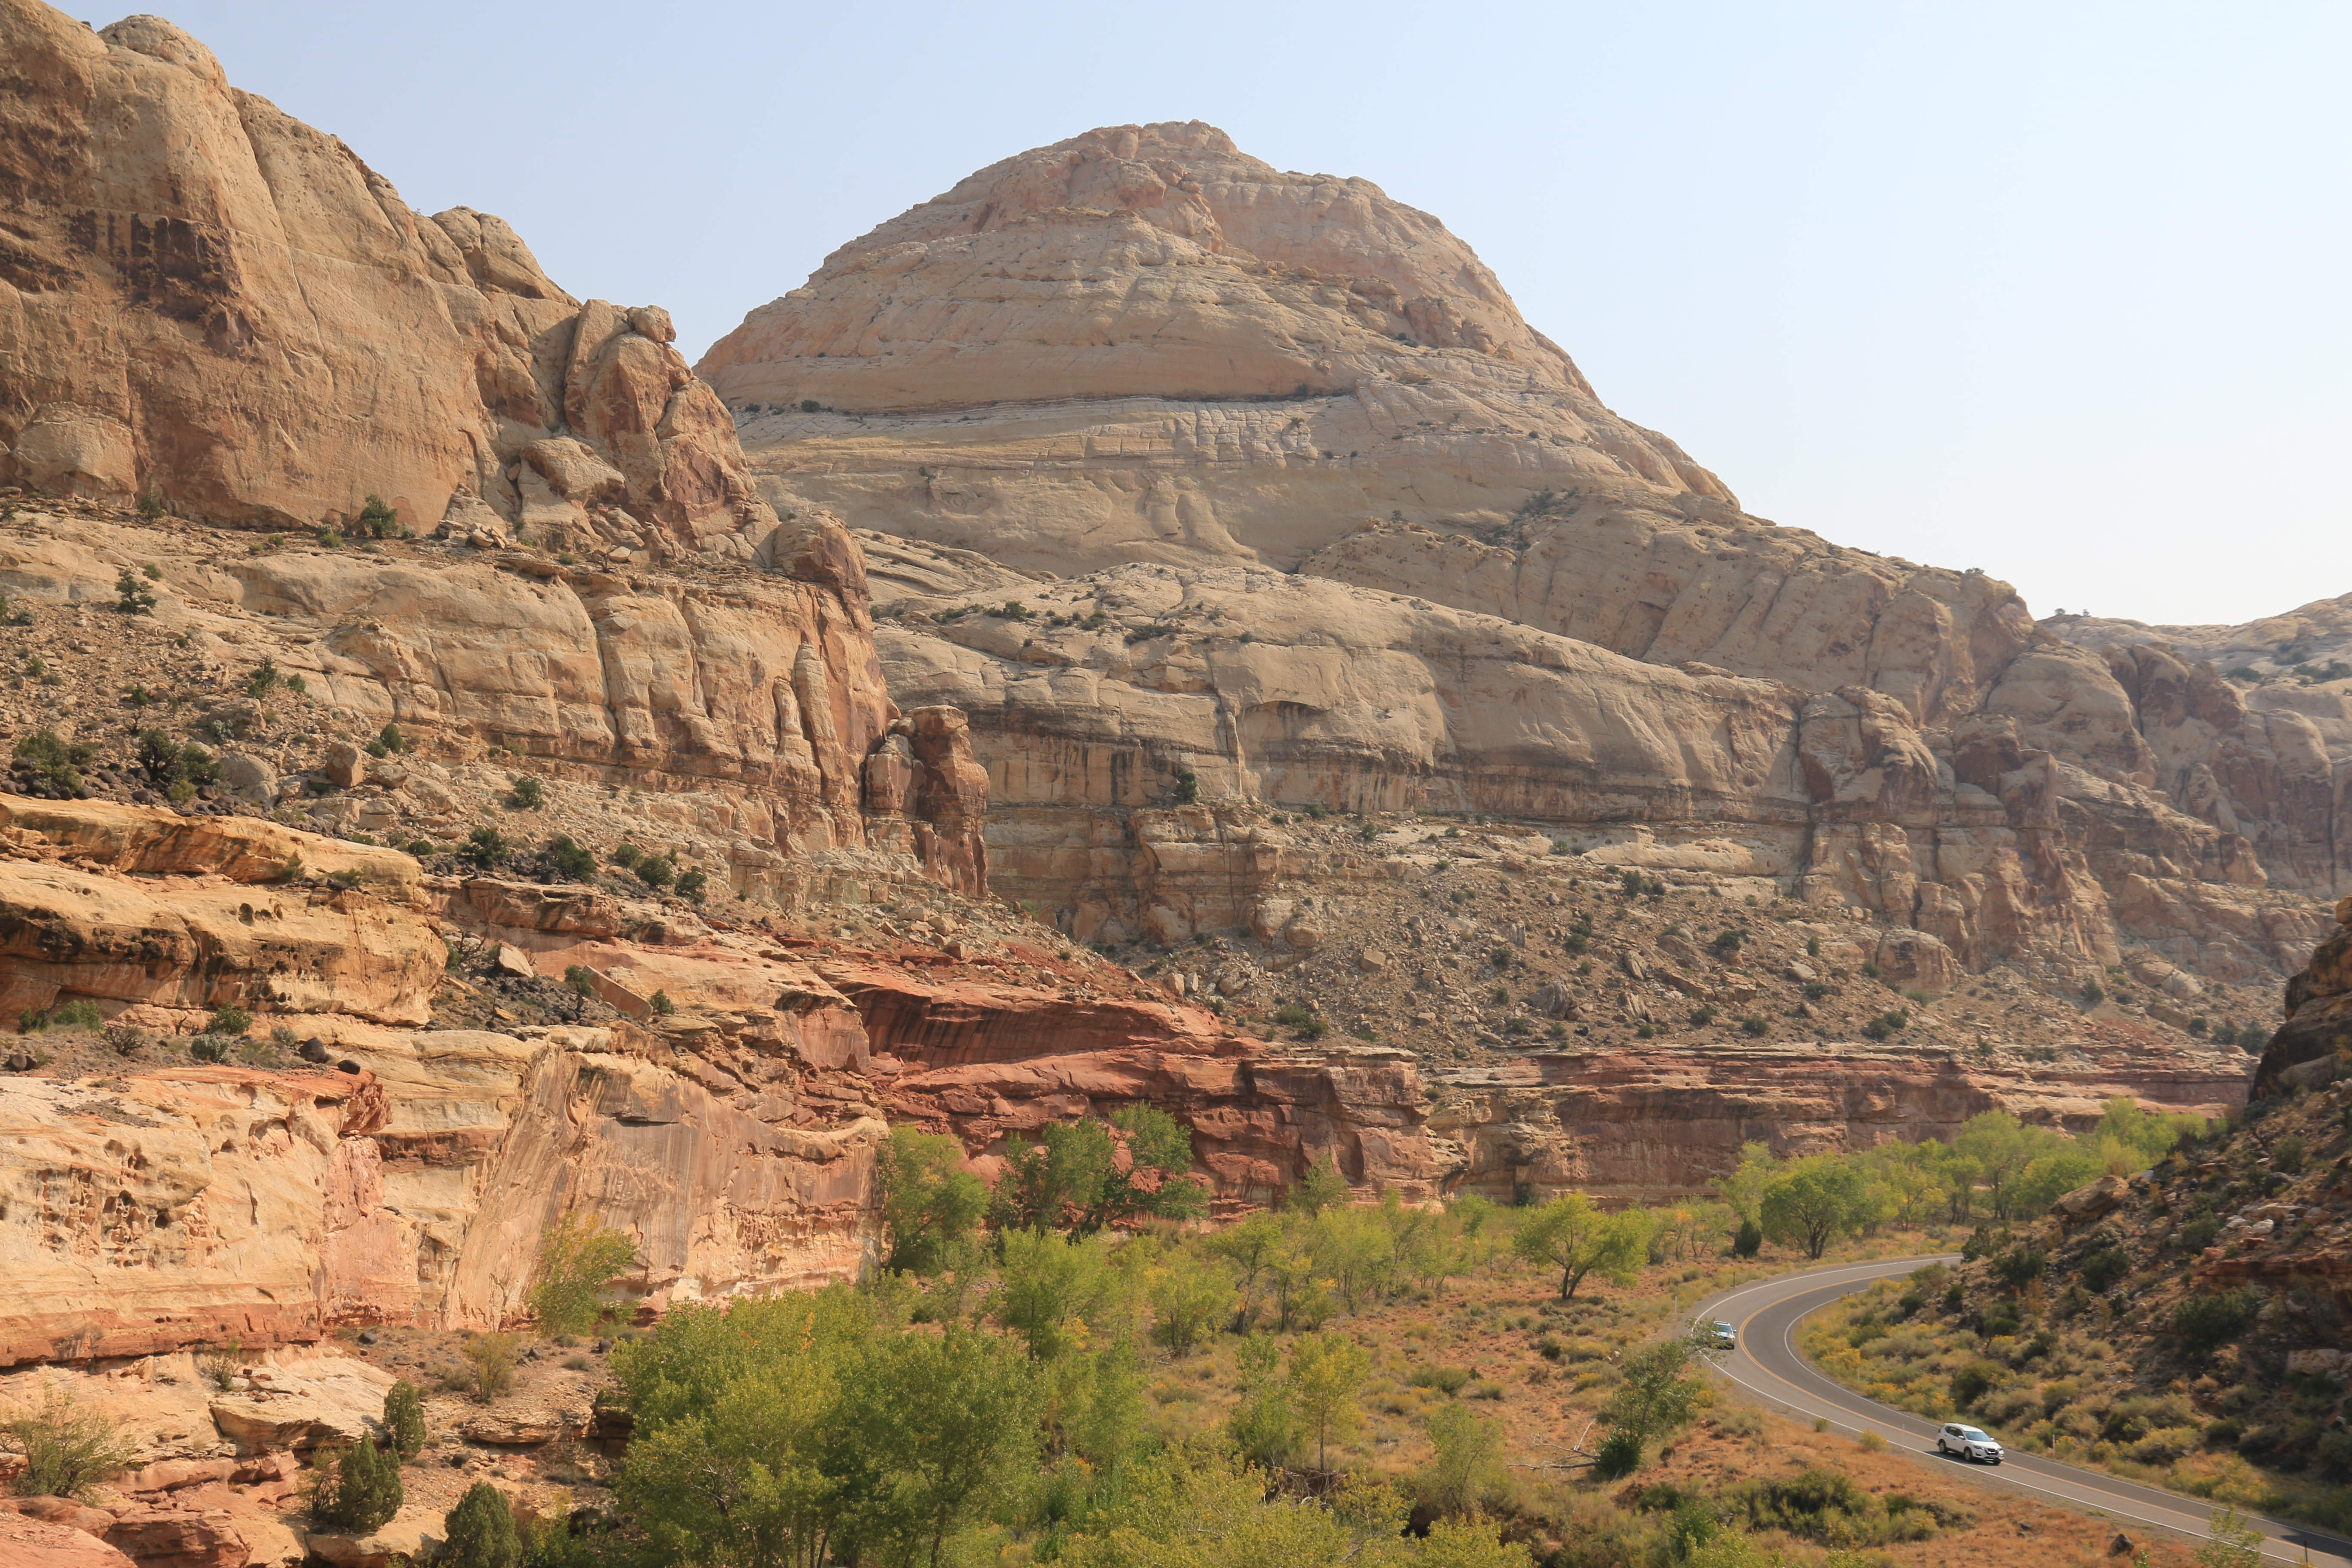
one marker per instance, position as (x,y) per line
(1265,1425)
(2052,1176)
(926,1432)
(1815,1201)
(1054,1290)
(1327,1381)
(732,1405)
(930,1202)
(1658,1395)
(1742,1190)
(358,1489)
(577,1262)
(1353,1248)
(480,1532)
(1071,1178)
(1574,1236)
(2003,1148)
(1321,1188)
(404,1419)
(1250,1246)
(1465,1461)
(1188,1293)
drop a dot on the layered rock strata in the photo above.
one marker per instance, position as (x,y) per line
(407,1177)
(1098,702)
(1075,361)
(1643,1124)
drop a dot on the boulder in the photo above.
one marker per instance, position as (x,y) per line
(269,1423)
(249,778)
(37,1544)
(2086,1204)
(345,765)
(412,1535)
(524,1429)
(179,1538)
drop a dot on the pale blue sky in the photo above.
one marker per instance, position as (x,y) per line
(2058,291)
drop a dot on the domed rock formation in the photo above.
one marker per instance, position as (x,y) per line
(1142,352)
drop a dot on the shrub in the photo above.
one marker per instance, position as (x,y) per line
(378,520)
(64,1015)
(263,680)
(661,1004)
(219,1364)
(67,1450)
(404,1419)
(576,976)
(568,860)
(2209,1321)
(625,855)
(484,847)
(131,596)
(2199,1233)
(1756,1024)
(55,764)
(690,886)
(480,1532)
(1974,1381)
(1886,1024)
(494,1357)
(1748,1241)
(391,738)
(229,1021)
(1702,1016)
(2105,1268)
(1450,1379)
(579,1259)
(654,870)
(357,1489)
(525,793)
(1619,1456)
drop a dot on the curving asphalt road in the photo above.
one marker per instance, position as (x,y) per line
(1767,1364)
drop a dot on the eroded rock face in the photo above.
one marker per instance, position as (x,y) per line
(1090,708)
(215,303)
(1076,361)
(1658,1121)
(2317,1032)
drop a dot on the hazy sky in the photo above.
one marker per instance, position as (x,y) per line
(2056,290)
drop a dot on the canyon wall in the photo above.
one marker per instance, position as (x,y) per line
(211,303)
(1142,352)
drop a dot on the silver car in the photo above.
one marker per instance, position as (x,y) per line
(1967,1443)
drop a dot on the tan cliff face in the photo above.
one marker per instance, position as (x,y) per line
(218,305)
(1393,584)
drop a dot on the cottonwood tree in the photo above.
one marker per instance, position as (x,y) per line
(930,1203)
(1815,1201)
(1574,1236)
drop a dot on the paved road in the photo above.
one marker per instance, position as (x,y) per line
(1768,1365)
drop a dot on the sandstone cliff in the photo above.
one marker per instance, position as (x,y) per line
(1074,362)
(212,303)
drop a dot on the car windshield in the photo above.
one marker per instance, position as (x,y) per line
(1973,1435)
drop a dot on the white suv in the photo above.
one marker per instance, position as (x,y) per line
(1967,1443)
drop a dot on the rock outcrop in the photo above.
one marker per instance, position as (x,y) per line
(215,304)
(1142,356)
(1106,699)
(2313,1047)
(401,1167)
(1643,1124)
